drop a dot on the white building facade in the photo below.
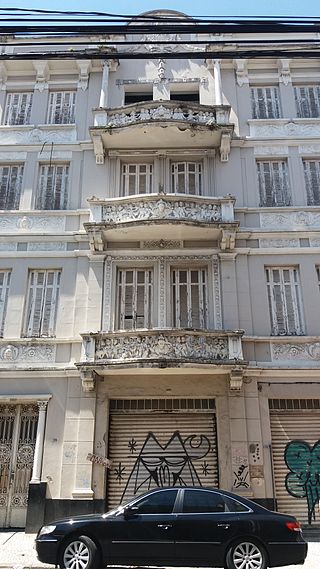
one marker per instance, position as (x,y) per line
(159,279)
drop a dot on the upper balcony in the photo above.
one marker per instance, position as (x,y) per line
(162,124)
(173,216)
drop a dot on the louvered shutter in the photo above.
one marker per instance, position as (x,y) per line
(285,303)
(5,277)
(42,303)
(273,183)
(18,108)
(307,101)
(189,300)
(10,186)
(312,181)
(265,102)
(61,109)
(135,289)
(53,187)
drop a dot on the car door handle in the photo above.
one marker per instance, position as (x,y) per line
(164,526)
(225,526)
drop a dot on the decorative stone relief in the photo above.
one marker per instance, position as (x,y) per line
(42,70)
(308,351)
(13,156)
(271,150)
(162,292)
(84,66)
(290,220)
(314,241)
(161,69)
(26,223)
(310,149)
(3,76)
(160,113)
(162,244)
(184,346)
(270,243)
(47,246)
(162,209)
(217,293)
(280,129)
(8,246)
(27,353)
(31,135)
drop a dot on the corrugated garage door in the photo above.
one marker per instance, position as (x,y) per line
(296,461)
(160,443)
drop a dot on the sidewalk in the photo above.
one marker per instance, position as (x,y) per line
(17,552)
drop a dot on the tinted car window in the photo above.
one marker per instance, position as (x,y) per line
(159,503)
(202,501)
(234,505)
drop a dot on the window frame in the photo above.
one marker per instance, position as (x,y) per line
(296,300)
(174,319)
(42,195)
(304,104)
(4,296)
(247,509)
(309,179)
(120,298)
(282,174)
(53,104)
(28,330)
(187,174)
(16,194)
(21,118)
(272,102)
(126,176)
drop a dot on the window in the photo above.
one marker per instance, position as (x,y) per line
(53,186)
(189,298)
(158,503)
(285,304)
(265,102)
(61,107)
(135,291)
(18,108)
(202,501)
(191,96)
(273,183)
(42,303)
(312,181)
(4,291)
(307,101)
(131,98)
(186,177)
(136,179)
(318,275)
(10,186)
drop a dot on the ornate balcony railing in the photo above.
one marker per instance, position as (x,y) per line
(107,217)
(162,347)
(153,111)
(188,123)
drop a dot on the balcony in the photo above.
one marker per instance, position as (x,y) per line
(175,216)
(162,124)
(161,348)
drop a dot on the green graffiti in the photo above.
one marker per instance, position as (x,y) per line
(303,480)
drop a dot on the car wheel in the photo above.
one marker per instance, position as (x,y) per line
(246,555)
(79,553)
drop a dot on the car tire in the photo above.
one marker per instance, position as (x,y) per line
(246,551)
(81,549)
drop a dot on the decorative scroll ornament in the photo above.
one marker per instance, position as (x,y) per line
(161,209)
(288,220)
(161,113)
(284,71)
(241,72)
(84,70)
(33,353)
(280,128)
(160,346)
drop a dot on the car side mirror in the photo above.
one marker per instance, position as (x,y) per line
(130,511)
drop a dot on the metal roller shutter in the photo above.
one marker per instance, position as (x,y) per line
(151,449)
(295,427)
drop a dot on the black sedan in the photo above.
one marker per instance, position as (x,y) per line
(179,527)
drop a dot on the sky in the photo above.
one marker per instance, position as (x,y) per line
(191,7)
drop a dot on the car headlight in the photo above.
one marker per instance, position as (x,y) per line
(46,529)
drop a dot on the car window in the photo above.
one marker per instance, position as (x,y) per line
(234,505)
(197,501)
(158,503)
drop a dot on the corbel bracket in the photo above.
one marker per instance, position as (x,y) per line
(225,146)
(88,380)
(98,148)
(236,379)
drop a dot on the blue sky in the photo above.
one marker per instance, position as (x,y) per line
(190,7)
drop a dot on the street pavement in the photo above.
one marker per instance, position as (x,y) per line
(17,552)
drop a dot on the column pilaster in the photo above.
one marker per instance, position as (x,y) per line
(38,451)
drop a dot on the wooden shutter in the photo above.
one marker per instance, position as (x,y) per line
(53,187)
(61,107)
(42,303)
(285,303)
(10,186)
(5,277)
(135,293)
(307,101)
(312,181)
(189,299)
(18,108)
(273,183)
(265,102)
